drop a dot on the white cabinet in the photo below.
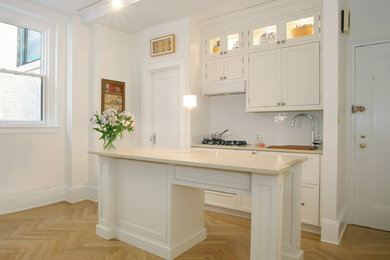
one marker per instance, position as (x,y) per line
(221,44)
(226,68)
(284,79)
(223,63)
(287,31)
(310,191)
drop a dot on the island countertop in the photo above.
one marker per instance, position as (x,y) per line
(262,164)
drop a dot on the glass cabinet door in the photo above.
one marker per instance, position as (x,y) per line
(263,36)
(214,46)
(233,42)
(303,27)
(224,43)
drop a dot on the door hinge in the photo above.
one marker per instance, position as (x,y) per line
(153,138)
(357,108)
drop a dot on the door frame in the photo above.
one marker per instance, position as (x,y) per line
(351,122)
(145,103)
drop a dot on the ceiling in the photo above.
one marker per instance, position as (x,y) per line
(147,13)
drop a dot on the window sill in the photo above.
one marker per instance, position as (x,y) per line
(12,129)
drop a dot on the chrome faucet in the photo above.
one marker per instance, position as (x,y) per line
(313,135)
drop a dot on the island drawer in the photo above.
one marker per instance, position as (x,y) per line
(222,178)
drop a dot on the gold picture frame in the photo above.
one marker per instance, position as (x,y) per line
(162,45)
(113,95)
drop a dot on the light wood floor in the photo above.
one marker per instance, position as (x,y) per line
(67,231)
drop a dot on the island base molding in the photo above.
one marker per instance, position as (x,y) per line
(159,207)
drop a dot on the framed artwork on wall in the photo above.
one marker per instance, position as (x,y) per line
(113,95)
(162,45)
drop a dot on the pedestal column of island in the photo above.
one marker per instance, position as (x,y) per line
(152,198)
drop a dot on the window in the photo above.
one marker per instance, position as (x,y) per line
(29,46)
(22,84)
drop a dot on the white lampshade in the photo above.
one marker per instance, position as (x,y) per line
(189,101)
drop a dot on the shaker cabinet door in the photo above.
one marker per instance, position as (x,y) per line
(233,67)
(301,75)
(264,79)
(214,70)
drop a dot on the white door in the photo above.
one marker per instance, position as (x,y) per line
(264,79)
(165,108)
(372,168)
(301,74)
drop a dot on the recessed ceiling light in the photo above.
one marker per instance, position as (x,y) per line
(117,4)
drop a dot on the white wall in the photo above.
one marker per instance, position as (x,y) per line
(32,168)
(369,24)
(228,112)
(77,110)
(140,54)
(109,58)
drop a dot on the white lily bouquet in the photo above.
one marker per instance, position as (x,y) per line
(112,124)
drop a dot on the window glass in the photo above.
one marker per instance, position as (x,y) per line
(21,82)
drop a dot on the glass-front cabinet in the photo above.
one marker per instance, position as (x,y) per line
(224,43)
(287,31)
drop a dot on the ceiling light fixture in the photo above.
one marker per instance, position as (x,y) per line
(117,4)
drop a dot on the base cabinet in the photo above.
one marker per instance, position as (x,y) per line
(310,191)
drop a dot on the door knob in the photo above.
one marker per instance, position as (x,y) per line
(363,145)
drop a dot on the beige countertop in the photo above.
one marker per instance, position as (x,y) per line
(266,164)
(255,148)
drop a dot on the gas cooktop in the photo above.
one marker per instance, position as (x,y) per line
(218,141)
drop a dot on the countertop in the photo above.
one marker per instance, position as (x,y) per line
(264,164)
(255,148)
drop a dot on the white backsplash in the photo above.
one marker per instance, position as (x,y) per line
(228,112)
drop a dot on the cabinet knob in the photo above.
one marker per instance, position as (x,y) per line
(224,52)
(278,42)
(221,53)
(278,103)
(283,41)
(225,77)
(302,203)
(283,103)
(221,78)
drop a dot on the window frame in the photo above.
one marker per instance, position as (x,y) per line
(47,40)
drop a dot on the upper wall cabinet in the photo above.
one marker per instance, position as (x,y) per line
(224,43)
(284,79)
(293,30)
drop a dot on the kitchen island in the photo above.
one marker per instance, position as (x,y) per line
(152,198)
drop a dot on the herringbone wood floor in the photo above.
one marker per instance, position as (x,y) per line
(67,231)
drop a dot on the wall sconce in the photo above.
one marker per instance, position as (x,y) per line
(189,101)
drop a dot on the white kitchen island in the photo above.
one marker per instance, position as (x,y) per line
(152,198)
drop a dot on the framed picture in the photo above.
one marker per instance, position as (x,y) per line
(162,45)
(113,95)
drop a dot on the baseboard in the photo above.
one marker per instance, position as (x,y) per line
(311,228)
(332,231)
(226,211)
(189,243)
(75,194)
(30,199)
